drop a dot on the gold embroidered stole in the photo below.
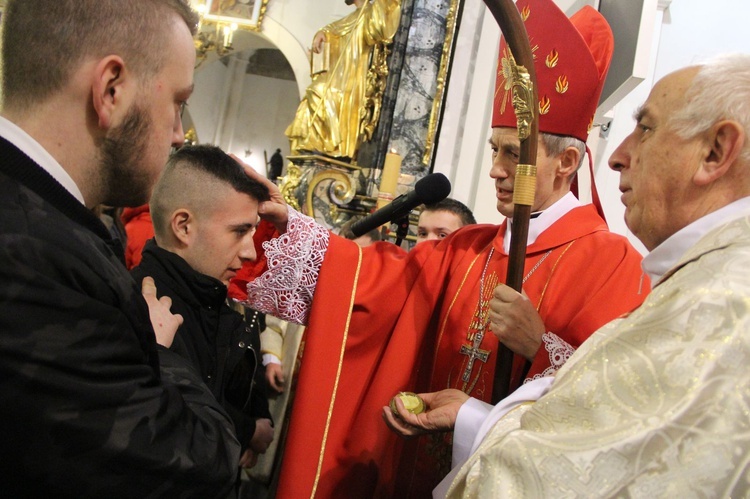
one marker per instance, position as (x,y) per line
(475,352)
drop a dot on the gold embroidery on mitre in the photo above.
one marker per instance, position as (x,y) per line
(505,75)
(561,85)
(544,104)
(552,59)
(504,78)
(525,13)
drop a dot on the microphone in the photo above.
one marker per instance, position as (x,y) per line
(428,190)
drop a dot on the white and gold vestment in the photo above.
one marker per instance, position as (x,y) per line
(656,404)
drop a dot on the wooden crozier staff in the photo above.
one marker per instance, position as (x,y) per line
(524,95)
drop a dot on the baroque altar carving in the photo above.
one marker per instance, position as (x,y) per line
(405,83)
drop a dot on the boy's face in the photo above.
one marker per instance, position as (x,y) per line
(437,225)
(223,238)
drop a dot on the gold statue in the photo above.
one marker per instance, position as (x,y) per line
(236,8)
(329,118)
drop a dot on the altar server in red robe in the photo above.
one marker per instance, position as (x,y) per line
(381,320)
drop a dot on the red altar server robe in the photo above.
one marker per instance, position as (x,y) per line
(384,321)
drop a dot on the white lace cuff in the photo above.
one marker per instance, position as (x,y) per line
(559,352)
(286,289)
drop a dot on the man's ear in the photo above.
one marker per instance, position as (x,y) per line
(723,146)
(569,161)
(107,89)
(182,224)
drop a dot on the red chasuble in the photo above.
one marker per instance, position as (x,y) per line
(384,321)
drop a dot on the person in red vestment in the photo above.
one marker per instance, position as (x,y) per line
(139,229)
(381,320)
(439,220)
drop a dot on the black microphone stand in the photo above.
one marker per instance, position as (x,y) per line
(402,228)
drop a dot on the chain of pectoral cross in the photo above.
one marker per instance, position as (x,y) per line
(480,321)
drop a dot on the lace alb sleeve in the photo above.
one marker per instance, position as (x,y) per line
(286,289)
(559,352)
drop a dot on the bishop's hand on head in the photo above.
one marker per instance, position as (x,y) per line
(274,210)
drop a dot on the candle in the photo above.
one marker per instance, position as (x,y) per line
(232,29)
(201,9)
(227,31)
(389,178)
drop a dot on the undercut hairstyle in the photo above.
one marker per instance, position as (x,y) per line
(44,41)
(456,207)
(194,177)
(556,144)
(719,91)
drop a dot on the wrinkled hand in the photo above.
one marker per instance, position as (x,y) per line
(318,40)
(248,459)
(515,321)
(262,437)
(164,322)
(442,409)
(274,210)
(275,377)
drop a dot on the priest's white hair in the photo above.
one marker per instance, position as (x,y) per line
(719,91)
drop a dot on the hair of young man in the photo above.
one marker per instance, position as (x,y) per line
(194,178)
(719,91)
(45,41)
(374,235)
(456,207)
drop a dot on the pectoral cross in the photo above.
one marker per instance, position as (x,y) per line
(478,324)
(474,353)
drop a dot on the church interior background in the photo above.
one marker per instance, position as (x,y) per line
(245,98)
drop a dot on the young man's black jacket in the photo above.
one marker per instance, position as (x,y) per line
(223,348)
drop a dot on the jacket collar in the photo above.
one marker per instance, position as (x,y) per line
(21,168)
(195,288)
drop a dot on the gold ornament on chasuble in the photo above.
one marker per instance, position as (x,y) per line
(473,374)
(475,335)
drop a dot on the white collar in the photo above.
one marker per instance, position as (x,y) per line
(545,220)
(667,254)
(31,148)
